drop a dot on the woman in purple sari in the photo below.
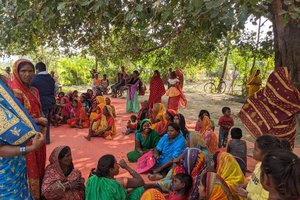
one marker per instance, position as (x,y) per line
(132,104)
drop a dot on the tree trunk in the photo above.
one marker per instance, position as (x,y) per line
(256,46)
(286,41)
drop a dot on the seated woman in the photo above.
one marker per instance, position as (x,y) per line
(79,119)
(66,109)
(84,102)
(158,111)
(97,106)
(144,112)
(103,125)
(145,140)
(108,102)
(169,147)
(211,187)
(208,135)
(227,168)
(103,186)
(61,181)
(180,120)
(200,118)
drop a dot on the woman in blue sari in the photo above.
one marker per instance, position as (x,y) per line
(16,130)
(132,104)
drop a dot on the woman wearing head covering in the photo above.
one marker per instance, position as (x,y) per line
(17,129)
(30,99)
(103,125)
(158,115)
(157,89)
(254,82)
(152,194)
(180,120)
(211,187)
(97,106)
(208,135)
(145,140)
(227,168)
(61,180)
(79,119)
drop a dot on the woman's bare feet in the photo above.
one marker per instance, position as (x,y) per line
(88,138)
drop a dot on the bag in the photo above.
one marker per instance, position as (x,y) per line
(146,162)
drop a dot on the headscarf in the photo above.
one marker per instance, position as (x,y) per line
(205,124)
(152,194)
(194,161)
(196,141)
(159,109)
(144,107)
(110,110)
(53,159)
(100,101)
(143,122)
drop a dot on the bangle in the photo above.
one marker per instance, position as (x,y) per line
(23,150)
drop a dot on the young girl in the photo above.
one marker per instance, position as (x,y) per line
(280,175)
(182,184)
(263,145)
(200,118)
(132,125)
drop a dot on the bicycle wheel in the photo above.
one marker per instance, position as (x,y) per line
(209,88)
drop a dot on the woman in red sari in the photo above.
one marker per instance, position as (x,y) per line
(79,117)
(29,97)
(157,89)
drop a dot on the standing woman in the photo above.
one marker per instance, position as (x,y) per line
(254,82)
(132,104)
(157,89)
(30,99)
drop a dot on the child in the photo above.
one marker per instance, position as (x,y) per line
(181,185)
(132,125)
(262,146)
(238,148)
(225,123)
(200,118)
(280,175)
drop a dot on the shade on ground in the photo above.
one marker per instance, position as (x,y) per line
(86,153)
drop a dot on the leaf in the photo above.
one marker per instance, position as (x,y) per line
(139,8)
(129,16)
(61,6)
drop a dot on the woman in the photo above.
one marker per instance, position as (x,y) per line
(97,106)
(103,126)
(29,98)
(180,77)
(254,82)
(157,89)
(180,120)
(145,140)
(66,109)
(103,186)
(227,168)
(175,94)
(153,194)
(61,180)
(212,187)
(158,115)
(132,104)
(79,119)
(108,103)
(144,112)
(208,135)
(272,110)
(169,147)
(17,129)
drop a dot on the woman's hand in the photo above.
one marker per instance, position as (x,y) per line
(37,141)
(123,164)
(42,121)
(77,184)
(155,153)
(157,170)
(241,191)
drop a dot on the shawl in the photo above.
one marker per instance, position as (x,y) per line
(157,90)
(208,135)
(133,88)
(272,109)
(54,180)
(152,194)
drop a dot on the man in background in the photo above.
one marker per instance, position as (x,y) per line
(45,84)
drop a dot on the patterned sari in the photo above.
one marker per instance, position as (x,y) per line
(159,116)
(55,181)
(17,128)
(208,135)
(230,171)
(79,117)
(157,90)
(99,103)
(254,83)
(176,98)
(272,110)
(29,98)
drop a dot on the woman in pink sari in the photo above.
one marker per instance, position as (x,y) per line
(157,89)
(61,180)
(29,97)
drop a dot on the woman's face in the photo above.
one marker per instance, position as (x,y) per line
(176,120)
(167,116)
(177,184)
(75,104)
(26,74)
(135,75)
(172,133)
(82,99)
(66,160)
(107,101)
(90,92)
(146,127)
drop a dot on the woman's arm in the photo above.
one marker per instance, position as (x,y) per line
(167,164)
(155,153)
(138,147)
(137,180)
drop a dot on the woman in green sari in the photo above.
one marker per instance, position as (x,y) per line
(103,186)
(145,139)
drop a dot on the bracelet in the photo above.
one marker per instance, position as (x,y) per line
(23,150)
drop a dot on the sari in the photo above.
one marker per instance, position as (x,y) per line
(17,129)
(102,122)
(101,188)
(254,83)
(54,182)
(152,194)
(132,103)
(208,135)
(180,77)
(196,141)
(99,103)
(272,110)
(159,116)
(228,169)
(146,145)
(157,90)
(35,161)
(79,114)
(67,107)
(176,98)
(144,111)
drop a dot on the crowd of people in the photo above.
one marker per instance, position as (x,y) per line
(183,164)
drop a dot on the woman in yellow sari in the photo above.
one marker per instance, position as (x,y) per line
(228,169)
(97,106)
(208,135)
(104,125)
(254,82)
(158,118)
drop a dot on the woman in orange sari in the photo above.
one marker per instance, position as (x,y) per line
(208,135)
(97,106)
(157,115)
(157,89)
(254,82)
(79,118)
(30,99)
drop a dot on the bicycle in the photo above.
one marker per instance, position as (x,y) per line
(211,86)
